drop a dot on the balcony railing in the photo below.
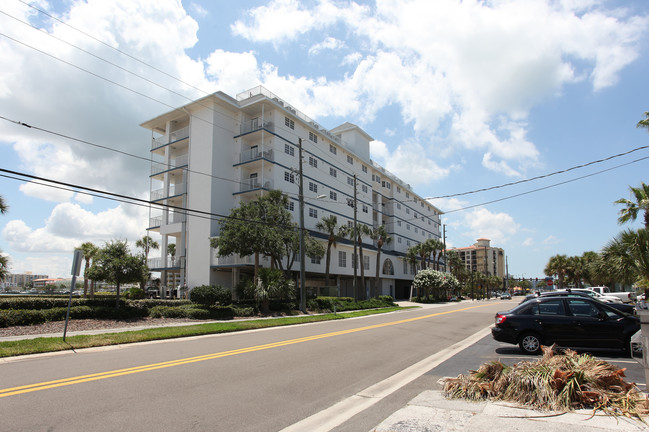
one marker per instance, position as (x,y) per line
(256,124)
(155,221)
(173,136)
(255,154)
(252,184)
(177,217)
(179,162)
(174,190)
(234,259)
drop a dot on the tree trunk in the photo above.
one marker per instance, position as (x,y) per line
(117,297)
(328,263)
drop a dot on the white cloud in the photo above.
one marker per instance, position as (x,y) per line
(551,240)
(498,227)
(69,225)
(329,43)
(278,21)
(528,242)
(232,72)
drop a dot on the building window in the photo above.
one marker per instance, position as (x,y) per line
(350,181)
(313,162)
(289,150)
(350,160)
(350,224)
(364,168)
(405,267)
(333,196)
(315,260)
(288,122)
(407,210)
(313,137)
(364,188)
(313,213)
(289,177)
(399,240)
(408,243)
(422,204)
(408,227)
(366,262)
(333,172)
(416,230)
(364,208)
(290,206)
(332,148)
(415,215)
(388,185)
(378,179)
(313,187)
(399,223)
(398,189)
(342,259)
(398,206)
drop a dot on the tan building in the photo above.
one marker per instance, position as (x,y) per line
(481,257)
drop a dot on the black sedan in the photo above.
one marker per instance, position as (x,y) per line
(624,307)
(571,322)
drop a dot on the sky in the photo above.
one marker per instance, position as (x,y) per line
(458,95)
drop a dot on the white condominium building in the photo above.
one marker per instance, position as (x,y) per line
(214,153)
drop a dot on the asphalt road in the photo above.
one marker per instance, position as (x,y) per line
(262,380)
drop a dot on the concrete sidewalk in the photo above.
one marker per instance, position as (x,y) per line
(431,411)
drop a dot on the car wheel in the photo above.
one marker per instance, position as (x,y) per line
(530,343)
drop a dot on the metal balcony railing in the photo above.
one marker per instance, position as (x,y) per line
(252,184)
(160,167)
(256,124)
(255,154)
(173,136)
(174,190)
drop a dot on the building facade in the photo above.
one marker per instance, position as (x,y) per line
(481,257)
(214,153)
(23,280)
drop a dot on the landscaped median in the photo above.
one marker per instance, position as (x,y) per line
(42,345)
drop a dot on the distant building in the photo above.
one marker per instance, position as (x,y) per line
(23,280)
(217,152)
(481,257)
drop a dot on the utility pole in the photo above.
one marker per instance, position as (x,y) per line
(444,234)
(355,258)
(301,199)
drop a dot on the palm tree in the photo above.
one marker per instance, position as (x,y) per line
(436,247)
(3,206)
(329,225)
(380,235)
(89,251)
(557,266)
(644,123)
(147,243)
(628,255)
(358,234)
(171,251)
(633,208)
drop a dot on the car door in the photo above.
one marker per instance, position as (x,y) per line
(593,326)
(552,319)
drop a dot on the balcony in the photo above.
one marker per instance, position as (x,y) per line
(236,260)
(155,221)
(174,136)
(255,154)
(254,184)
(255,125)
(179,162)
(174,190)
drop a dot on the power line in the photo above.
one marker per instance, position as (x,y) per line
(541,176)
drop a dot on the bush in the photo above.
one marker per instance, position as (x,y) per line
(192,312)
(134,293)
(210,295)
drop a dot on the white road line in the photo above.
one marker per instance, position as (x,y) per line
(342,411)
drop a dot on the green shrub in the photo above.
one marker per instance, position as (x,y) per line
(134,293)
(210,295)
(243,311)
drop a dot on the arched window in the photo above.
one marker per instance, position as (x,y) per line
(388,268)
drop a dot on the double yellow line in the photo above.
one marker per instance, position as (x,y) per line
(133,370)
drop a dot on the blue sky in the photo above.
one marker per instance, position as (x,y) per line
(459,96)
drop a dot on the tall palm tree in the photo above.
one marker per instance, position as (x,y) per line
(557,266)
(628,255)
(380,235)
(3,205)
(146,243)
(633,208)
(89,251)
(171,251)
(361,231)
(436,247)
(329,225)
(576,269)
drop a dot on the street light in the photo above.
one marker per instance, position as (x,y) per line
(301,200)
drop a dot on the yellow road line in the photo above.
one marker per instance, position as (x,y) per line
(144,368)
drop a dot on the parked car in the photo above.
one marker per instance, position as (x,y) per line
(626,308)
(505,296)
(624,296)
(570,321)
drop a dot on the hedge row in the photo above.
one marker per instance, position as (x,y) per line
(18,317)
(37,303)
(327,304)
